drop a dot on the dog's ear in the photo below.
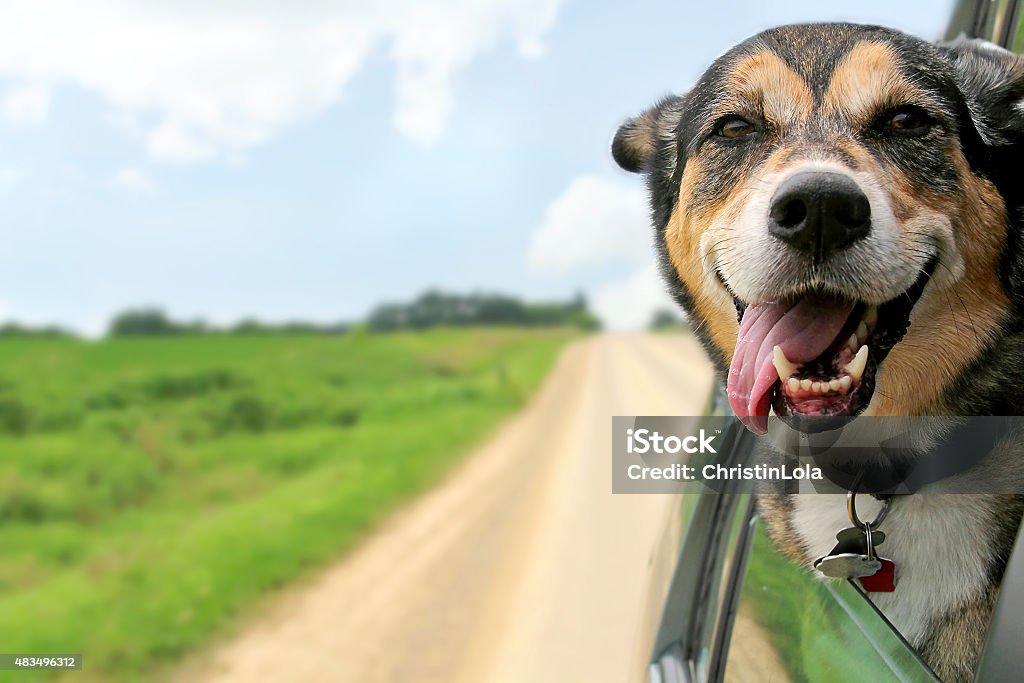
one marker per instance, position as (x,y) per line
(992,80)
(636,143)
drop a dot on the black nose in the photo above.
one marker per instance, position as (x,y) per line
(819,213)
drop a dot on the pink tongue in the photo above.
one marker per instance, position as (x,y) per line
(804,330)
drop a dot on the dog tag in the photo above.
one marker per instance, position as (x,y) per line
(847,566)
(854,538)
(882,581)
(851,558)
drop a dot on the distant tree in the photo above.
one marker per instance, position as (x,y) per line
(388,317)
(250,326)
(500,310)
(151,322)
(665,318)
(18,330)
(434,308)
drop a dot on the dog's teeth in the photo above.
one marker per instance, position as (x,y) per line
(862,331)
(783,365)
(805,384)
(819,387)
(845,381)
(871,315)
(856,366)
(834,385)
(852,342)
(793,385)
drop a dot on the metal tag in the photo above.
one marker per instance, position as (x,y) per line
(854,537)
(847,565)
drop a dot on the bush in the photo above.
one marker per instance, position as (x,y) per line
(244,413)
(150,322)
(15,418)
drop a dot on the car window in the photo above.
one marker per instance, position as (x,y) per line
(791,627)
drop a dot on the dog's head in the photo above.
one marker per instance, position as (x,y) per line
(830,212)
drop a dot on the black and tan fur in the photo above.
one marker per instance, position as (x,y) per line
(820,94)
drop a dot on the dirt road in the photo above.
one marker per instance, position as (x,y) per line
(521,567)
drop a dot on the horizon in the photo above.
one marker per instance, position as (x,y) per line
(15,328)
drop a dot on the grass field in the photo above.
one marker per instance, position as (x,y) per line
(150,489)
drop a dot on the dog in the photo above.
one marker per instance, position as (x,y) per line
(838,209)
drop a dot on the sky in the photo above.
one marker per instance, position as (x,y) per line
(308,160)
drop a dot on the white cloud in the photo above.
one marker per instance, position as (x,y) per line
(132,179)
(630,303)
(199,80)
(436,40)
(593,222)
(26,104)
(599,222)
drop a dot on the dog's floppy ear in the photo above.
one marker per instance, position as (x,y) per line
(992,80)
(637,141)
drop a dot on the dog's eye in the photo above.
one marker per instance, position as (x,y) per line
(734,128)
(909,120)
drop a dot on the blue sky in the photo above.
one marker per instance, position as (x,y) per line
(259,160)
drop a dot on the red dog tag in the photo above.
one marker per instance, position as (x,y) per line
(882,581)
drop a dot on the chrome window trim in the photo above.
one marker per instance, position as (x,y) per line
(671,667)
(730,601)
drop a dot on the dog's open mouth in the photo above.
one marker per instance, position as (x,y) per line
(814,357)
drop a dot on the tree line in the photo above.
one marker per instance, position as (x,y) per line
(431,309)
(153,322)
(434,308)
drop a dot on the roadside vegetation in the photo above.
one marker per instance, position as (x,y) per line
(153,486)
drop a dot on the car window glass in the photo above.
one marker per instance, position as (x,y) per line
(792,627)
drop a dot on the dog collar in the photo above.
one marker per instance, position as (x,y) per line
(964,446)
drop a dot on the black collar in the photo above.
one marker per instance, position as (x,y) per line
(967,444)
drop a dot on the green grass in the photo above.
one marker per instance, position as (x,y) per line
(151,489)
